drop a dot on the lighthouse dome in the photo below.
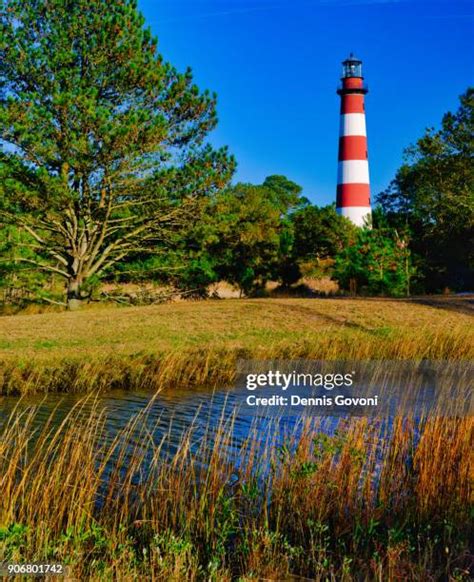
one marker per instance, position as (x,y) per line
(352,59)
(352,67)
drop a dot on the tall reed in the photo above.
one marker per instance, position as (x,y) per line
(215,366)
(366,502)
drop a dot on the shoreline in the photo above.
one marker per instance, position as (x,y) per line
(191,344)
(197,514)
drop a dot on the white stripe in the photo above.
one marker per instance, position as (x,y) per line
(359,215)
(353,172)
(352,124)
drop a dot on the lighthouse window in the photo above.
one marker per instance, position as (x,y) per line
(352,69)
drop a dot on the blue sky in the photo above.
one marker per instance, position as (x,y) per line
(275,65)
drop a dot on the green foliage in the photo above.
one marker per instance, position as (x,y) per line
(19,282)
(377,262)
(246,240)
(105,173)
(254,234)
(103,142)
(431,200)
(320,232)
(175,555)
(14,538)
(242,235)
(284,193)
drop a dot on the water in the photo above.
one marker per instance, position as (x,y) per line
(167,417)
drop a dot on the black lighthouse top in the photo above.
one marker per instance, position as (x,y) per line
(352,80)
(352,67)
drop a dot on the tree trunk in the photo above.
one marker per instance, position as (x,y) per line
(407,273)
(74,296)
(353,286)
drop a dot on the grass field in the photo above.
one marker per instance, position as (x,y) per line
(198,342)
(361,504)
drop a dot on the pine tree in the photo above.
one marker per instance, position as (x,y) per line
(103,142)
(377,262)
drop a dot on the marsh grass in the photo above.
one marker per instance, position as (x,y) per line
(368,502)
(199,343)
(214,363)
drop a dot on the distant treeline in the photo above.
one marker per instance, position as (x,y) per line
(106,175)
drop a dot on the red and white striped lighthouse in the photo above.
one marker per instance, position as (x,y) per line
(353,184)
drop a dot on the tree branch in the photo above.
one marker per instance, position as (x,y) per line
(48,268)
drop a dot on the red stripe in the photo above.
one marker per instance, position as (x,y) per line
(352,103)
(353,195)
(352,83)
(353,147)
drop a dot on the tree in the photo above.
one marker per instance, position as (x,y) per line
(246,241)
(284,193)
(103,150)
(320,232)
(244,237)
(377,262)
(432,199)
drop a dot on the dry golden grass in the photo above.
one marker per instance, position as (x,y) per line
(360,505)
(199,342)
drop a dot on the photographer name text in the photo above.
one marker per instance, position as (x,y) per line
(296,400)
(294,380)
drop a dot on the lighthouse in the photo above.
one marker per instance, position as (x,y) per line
(353,184)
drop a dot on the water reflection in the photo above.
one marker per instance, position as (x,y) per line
(165,418)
